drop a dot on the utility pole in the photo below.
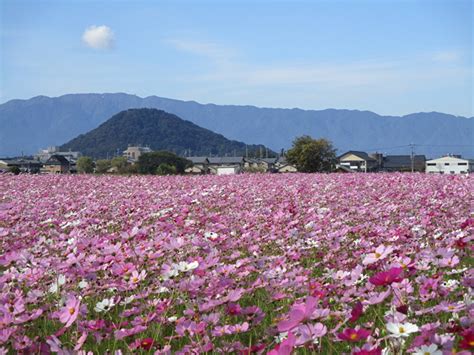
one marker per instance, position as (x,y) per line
(412,146)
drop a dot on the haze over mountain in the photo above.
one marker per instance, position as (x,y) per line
(28,125)
(160,131)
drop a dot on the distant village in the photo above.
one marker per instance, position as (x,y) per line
(54,161)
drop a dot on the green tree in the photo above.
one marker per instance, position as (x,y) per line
(14,170)
(85,165)
(165,169)
(121,164)
(312,155)
(148,163)
(102,165)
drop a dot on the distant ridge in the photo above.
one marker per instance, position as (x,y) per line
(160,131)
(27,125)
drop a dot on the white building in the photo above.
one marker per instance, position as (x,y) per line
(44,154)
(132,153)
(450,165)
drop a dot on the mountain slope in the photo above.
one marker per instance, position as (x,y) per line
(27,125)
(157,129)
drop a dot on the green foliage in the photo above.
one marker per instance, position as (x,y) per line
(102,165)
(166,169)
(14,170)
(85,165)
(149,163)
(121,164)
(160,131)
(312,155)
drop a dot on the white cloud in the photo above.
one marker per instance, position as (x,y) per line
(99,37)
(214,52)
(446,56)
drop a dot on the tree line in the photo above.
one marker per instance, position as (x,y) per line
(308,155)
(155,163)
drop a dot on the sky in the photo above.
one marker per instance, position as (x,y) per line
(393,57)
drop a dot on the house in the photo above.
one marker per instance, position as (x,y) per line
(283,166)
(25,165)
(359,161)
(450,165)
(200,166)
(225,165)
(132,153)
(44,154)
(57,164)
(343,169)
(260,164)
(403,163)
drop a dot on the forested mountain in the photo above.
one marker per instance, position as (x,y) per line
(28,125)
(160,131)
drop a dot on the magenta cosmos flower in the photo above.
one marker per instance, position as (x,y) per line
(388,277)
(350,334)
(70,312)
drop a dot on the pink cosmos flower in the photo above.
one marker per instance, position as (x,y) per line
(70,312)
(367,350)
(285,347)
(298,313)
(380,253)
(354,335)
(388,277)
(309,332)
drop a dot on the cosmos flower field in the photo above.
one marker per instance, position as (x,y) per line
(247,264)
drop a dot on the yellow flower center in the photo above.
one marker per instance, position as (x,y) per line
(353,336)
(401,330)
(135,280)
(377,255)
(71,311)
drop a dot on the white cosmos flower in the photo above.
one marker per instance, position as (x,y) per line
(428,350)
(128,300)
(83,284)
(105,305)
(402,330)
(61,280)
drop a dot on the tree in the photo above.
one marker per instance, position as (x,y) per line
(312,155)
(148,163)
(121,164)
(165,169)
(85,165)
(102,165)
(14,170)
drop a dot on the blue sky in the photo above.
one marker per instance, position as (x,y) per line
(391,57)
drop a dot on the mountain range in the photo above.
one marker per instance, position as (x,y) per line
(28,125)
(160,131)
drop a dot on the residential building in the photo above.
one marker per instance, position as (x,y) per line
(57,164)
(44,154)
(260,164)
(132,153)
(25,165)
(283,166)
(403,163)
(358,161)
(450,165)
(200,166)
(225,165)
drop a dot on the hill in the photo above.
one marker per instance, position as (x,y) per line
(160,131)
(28,125)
